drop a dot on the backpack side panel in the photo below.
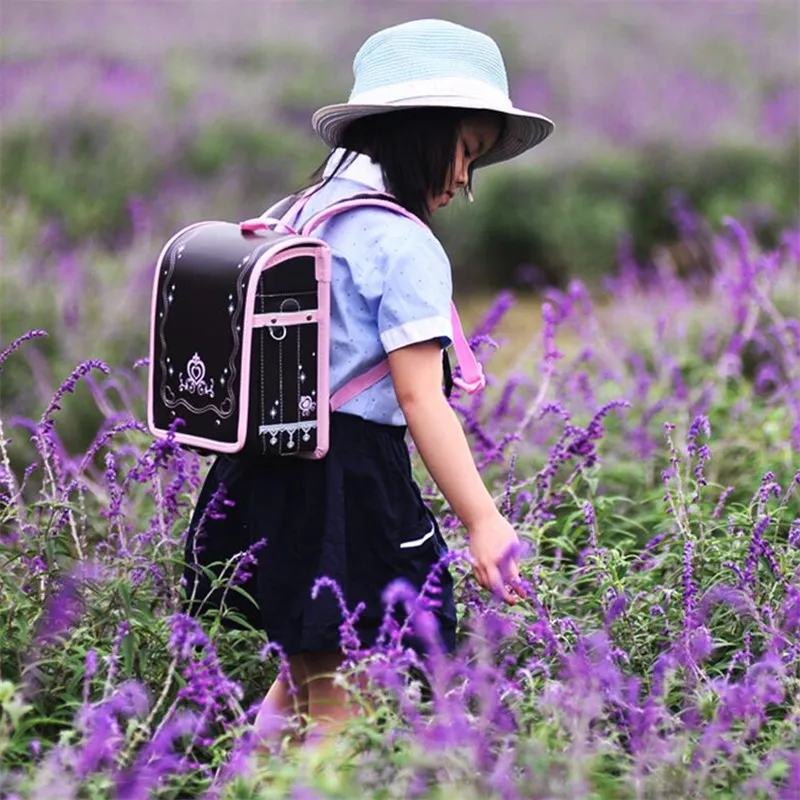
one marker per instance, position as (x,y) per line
(288,373)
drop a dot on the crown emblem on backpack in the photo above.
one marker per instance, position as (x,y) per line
(195,382)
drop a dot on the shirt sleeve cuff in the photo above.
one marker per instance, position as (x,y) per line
(421,330)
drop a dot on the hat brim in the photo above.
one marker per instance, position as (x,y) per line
(522,131)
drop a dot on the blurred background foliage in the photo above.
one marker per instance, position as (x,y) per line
(180,110)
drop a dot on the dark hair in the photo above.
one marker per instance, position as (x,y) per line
(414,147)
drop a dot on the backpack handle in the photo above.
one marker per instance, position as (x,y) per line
(291,205)
(260,224)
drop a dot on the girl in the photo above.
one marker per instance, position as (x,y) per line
(429,106)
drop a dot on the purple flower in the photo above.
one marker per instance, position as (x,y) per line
(494,316)
(551,321)
(756,549)
(686,219)
(350,641)
(507,505)
(17,343)
(794,533)
(61,611)
(156,759)
(616,607)
(243,570)
(700,644)
(591,524)
(68,386)
(790,612)
(206,684)
(730,595)
(102,734)
(769,488)
(791,784)
(698,426)
(89,671)
(721,502)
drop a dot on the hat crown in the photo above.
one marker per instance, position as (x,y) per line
(427,49)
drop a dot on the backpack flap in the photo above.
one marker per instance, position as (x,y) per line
(200,338)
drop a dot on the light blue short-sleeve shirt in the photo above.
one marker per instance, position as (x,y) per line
(391,285)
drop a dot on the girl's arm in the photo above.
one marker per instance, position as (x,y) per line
(417,376)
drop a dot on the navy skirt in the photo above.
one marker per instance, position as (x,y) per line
(355,516)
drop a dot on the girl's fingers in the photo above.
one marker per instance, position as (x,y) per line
(499,587)
(515,582)
(492,579)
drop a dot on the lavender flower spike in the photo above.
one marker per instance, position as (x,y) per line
(17,343)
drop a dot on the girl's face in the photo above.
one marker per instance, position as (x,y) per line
(476,135)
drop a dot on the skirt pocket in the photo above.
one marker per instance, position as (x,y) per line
(420,541)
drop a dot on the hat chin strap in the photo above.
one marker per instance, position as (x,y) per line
(469,92)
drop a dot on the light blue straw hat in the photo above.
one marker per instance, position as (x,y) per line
(431,62)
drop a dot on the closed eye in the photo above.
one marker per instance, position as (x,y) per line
(473,152)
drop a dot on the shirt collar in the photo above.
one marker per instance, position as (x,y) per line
(359,168)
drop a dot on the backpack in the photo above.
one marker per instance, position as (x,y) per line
(239,335)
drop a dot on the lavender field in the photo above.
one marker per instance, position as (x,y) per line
(638,315)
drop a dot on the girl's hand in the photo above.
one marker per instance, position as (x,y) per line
(494,547)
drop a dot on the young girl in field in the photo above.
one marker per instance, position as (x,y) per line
(429,106)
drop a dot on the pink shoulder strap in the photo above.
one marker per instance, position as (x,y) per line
(379,201)
(472,378)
